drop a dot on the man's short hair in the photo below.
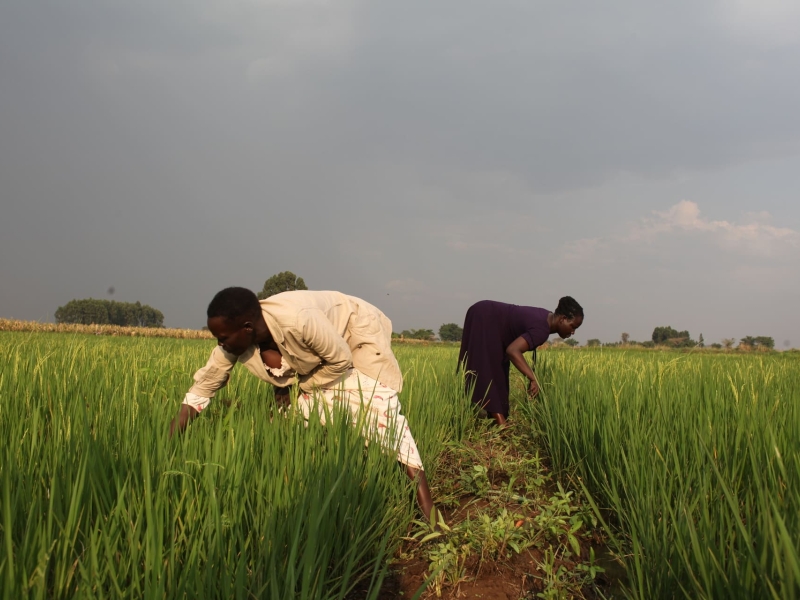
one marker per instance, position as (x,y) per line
(233,303)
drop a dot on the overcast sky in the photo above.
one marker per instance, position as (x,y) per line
(643,158)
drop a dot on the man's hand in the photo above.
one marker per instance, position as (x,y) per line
(533,388)
(182,419)
(282,398)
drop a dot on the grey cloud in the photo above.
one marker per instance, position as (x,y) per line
(170,149)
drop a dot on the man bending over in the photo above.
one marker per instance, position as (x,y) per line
(331,344)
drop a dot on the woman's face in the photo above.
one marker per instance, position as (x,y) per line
(566,327)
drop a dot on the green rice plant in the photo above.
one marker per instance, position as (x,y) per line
(98,502)
(692,461)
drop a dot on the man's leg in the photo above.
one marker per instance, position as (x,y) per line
(378,409)
(423,491)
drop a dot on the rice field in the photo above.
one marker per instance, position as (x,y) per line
(113,330)
(691,461)
(98,502)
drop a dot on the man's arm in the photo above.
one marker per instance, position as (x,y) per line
(185,415)
(323,340)
(207,381)
(515,352)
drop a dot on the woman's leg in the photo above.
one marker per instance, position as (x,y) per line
(499,418)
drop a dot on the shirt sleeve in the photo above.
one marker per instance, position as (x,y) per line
(321,337)
(196,402)
(535,338)
(214,376)
(528,338)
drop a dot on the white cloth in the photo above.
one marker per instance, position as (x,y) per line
(196,402)
(285,370)
(378,406)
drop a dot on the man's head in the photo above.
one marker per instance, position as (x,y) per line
(233,316)
(568,316)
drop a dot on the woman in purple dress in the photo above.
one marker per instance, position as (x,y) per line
(497,334)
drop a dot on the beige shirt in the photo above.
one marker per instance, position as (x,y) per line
(321,335)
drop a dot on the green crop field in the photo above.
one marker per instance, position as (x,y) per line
(97,502)
(690,459)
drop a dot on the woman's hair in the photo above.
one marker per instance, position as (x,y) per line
(234,302)
(568,307)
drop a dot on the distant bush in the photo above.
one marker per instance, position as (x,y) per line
(418,334)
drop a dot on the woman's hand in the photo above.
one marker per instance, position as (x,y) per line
(514,352)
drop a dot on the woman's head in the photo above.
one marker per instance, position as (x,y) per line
(568,317)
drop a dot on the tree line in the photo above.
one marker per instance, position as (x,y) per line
(109,312)
(91,311)
(449,332)
(671,337)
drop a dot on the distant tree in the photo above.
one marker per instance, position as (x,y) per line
(418,334)
(648,344)
(758,342)
(450,332)
(763,341)
(285,281)
(667,336)
(625,337)
(700,341)
(571,342)
(728,343)
(593,343)
(109,312)
(716,345)
(662,334)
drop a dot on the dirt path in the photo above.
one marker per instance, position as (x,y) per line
(511,531)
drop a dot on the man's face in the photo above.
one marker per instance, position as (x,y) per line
(566,327)
(234,335)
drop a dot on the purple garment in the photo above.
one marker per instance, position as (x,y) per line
(489,328)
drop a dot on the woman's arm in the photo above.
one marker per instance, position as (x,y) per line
(515,352)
